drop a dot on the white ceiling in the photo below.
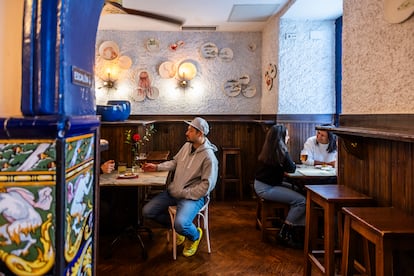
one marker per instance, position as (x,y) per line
(217,13)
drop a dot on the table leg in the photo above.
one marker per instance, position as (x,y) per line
(135,230)
(307,269)
(329,242)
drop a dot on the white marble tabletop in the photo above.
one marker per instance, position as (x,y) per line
(142,179)
(319,171)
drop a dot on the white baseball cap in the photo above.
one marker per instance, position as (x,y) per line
(200,124)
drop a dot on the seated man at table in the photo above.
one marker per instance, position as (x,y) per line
(196,170)
(321,149)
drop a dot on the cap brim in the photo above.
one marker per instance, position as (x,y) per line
(189,123)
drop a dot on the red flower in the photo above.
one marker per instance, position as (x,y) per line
(136,137)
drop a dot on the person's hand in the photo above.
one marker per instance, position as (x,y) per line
(332,163)
(108,166)
(149,167)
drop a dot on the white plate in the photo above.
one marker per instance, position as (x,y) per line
(153,45)
(226,54)
(152,93)
(127,176)
(109,50)
(167,70)
(209,50)
(232,88)
(249,91)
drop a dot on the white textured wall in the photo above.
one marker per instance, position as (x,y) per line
(206,95)
(270,53)
(307,67)
(378,61)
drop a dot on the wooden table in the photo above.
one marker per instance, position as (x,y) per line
(331,198)
(310,175)
(144,179)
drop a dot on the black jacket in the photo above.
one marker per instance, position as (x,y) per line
(273,175)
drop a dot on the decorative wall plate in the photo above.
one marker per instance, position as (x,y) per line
(268,82)
(209,50)
(138,94)
(244,80)
(152,45)
(397,11)
(125,62)
(272,70)
(152,93)
(249,91)
(109,50)
(232,88)
(167,70)
(226,54)
(176,45)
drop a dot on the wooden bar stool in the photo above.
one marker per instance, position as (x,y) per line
(389,229)
(331,198)
(270,216)
(234,176)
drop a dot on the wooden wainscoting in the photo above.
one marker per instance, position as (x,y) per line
(245,132)
(376,157)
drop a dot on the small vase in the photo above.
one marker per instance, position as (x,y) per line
(136,168)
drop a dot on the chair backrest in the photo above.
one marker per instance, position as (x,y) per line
(204,212)
(206,202)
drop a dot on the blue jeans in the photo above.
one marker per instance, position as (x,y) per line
(297,202)
(187,209)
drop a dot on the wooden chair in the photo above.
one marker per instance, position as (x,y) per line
(202,214)
(270,216)
(389,229)
(228,176)
(331,198)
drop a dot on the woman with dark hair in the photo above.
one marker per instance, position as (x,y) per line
(273,161)
(321,149)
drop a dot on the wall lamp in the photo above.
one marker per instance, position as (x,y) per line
(108,81)
(186,72)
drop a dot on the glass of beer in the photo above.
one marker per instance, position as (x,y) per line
(122,167)
(303,156)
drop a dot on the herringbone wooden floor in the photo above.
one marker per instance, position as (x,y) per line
(235,243)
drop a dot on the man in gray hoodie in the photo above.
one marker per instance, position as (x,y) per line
(196,171)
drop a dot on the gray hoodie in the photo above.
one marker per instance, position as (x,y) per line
(195,173)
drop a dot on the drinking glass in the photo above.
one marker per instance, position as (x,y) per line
(122,167)
(136,169)
(303,156)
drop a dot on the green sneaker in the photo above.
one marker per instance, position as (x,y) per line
(179,239)
(190,247)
